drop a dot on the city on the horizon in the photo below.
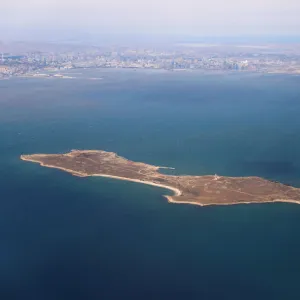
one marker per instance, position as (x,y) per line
(46,60)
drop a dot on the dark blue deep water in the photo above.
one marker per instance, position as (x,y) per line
(63,237)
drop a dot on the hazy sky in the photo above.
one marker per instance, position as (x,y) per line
(25,18)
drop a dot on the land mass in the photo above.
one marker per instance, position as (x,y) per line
(198,190)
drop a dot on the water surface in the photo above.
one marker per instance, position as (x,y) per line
(64,237)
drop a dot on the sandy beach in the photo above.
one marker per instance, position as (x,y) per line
(171,200)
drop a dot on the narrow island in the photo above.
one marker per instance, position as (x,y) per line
(198,190)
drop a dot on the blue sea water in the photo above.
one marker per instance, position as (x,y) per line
(64,237)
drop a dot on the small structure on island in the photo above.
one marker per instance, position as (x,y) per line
(216,177)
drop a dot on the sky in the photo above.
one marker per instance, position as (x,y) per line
(34,19)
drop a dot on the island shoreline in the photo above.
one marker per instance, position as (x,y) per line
(170,198)
(176,191)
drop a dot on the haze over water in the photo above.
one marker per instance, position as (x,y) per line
(64,237)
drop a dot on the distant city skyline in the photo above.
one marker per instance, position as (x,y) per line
(63,19)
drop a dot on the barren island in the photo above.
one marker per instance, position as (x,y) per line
(198,190)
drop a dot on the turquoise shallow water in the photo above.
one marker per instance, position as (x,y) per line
(64,237)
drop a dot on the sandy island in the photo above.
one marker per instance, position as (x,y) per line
(196,190)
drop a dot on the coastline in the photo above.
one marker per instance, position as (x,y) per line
(176,191)
(169,198)
(79,174)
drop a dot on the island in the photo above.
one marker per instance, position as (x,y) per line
(198,190)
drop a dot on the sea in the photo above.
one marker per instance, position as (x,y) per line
(64,237)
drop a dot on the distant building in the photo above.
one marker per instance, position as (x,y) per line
(4,69)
